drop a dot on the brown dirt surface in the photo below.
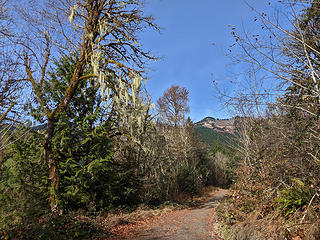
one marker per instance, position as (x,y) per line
(194,223)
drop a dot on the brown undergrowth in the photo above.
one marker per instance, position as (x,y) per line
(276,195)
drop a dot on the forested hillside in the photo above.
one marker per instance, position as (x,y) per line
(210,136)
(210,132)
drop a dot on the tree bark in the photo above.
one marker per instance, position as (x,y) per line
(52,164)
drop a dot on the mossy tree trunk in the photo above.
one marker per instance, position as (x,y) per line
(52,164)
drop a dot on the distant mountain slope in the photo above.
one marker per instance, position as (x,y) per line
(213,130)
(219,125)
(210,136)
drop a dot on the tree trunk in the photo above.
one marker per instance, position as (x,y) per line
(1,156)
(52,164)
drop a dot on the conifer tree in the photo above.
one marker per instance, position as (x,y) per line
(103,33)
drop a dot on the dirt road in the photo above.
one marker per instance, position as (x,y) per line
(187,224)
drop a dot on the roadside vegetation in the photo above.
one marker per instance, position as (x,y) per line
(276,194)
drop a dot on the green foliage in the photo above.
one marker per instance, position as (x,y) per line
(189,179)
(85,160)
(23,180)
(54,227)
(218,146)
(294,197)
(81,146)
(89,176)
(223,164)
(210,136)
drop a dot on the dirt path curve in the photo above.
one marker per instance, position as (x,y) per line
(187,224)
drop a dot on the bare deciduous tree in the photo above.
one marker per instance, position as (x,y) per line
(173,106)
(11,81)
(280,143)
(10,78)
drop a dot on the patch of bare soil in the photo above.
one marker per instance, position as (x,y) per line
(193,223)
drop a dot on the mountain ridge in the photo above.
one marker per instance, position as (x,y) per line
(218,125)
(213,130)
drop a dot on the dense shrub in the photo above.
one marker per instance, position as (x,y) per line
(294,197)
(189,179)
(23,180)
(278,177)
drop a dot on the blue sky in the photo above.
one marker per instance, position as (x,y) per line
(189,27)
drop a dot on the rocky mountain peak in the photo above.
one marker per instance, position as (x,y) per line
(219,125)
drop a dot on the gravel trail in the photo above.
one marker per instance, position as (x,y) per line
(187,224)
